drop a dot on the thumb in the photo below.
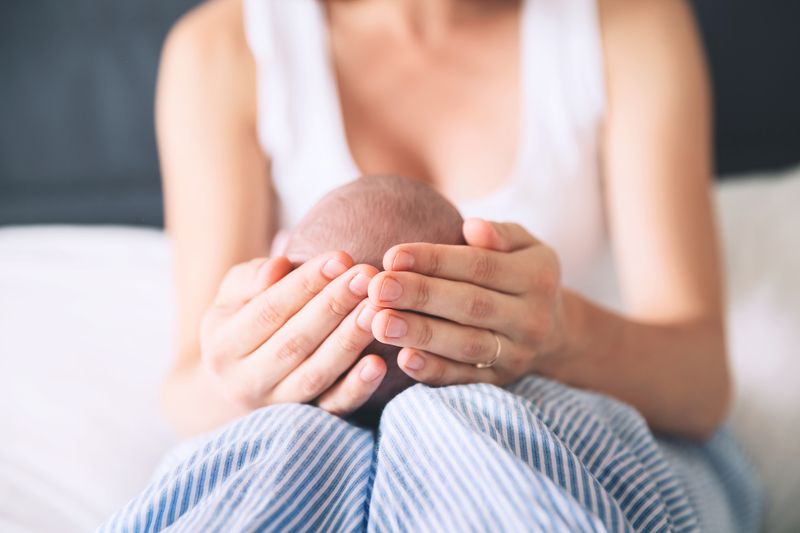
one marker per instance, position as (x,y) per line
(499,236)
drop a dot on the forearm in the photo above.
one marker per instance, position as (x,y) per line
(676,375)
(191,402)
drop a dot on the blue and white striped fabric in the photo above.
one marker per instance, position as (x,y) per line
(536,456)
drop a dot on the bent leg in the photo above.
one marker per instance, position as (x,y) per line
(441,467)
(284,467)
(538,457)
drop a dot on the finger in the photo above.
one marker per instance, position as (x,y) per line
(305,331)
(458,301)
(500,236)
(438,371)
(499,271)
(246,280)
(459,343)
(355,388)
(262,316)
(334,356)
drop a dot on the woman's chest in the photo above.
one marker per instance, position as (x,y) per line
(452,118)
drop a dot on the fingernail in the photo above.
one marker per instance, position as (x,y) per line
(415,362)
(370,373)
(365,317)
(403,261)
(396,327)
(390,290)
(359,284)
(333,268)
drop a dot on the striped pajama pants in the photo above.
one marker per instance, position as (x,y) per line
(535,456)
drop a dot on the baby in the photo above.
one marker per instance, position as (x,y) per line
(365,218)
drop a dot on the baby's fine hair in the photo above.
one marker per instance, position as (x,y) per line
(368,216)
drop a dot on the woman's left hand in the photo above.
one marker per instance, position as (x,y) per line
(450,306)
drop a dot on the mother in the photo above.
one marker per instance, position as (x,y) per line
(585,122)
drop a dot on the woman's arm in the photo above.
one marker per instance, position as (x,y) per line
(667,357)
(218,202)
(250,333)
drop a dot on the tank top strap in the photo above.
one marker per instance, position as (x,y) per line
(298,108)
(563,73)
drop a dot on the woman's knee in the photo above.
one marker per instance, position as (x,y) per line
(421,412)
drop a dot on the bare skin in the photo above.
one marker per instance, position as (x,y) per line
(666,357)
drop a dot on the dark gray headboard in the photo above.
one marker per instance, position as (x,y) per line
(754,50)
(76,100)
(76,97)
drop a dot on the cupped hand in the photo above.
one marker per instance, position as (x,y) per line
(277,335)
(449,306)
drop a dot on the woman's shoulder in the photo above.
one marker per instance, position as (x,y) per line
(206,57)
(643,24)
(212,37)
(652,43)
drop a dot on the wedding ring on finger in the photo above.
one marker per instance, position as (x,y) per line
(491,362)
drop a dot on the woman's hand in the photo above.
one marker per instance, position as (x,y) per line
(277,335)
(445,304)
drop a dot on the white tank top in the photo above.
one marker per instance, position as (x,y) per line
(554,190)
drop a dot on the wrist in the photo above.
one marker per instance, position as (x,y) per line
(191,399)
(560,362)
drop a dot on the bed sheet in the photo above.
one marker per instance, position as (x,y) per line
(85,334)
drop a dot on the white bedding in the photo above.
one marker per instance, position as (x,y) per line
(85,326)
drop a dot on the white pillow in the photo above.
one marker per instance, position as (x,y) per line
(85,326)
(760,222)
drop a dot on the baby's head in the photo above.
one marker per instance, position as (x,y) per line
(365,218)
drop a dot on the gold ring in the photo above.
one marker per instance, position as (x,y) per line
(491,363)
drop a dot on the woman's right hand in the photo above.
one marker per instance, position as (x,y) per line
(278,335)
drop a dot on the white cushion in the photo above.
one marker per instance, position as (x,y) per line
(761,231)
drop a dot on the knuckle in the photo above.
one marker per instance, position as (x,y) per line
(294,349)
(475,349)
(349,342)
(435,261)
(538,326)
(547,282)
(424,334)
(309,286)
(331,407)
(548,278)
(439,374)
(480,307)
(335,407)
(338,308)
(519,361)
(268,313)
(483,269)
(423,294)
(353,396)
(312,383)
(346,399)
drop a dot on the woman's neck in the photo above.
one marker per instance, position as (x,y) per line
(424,21)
